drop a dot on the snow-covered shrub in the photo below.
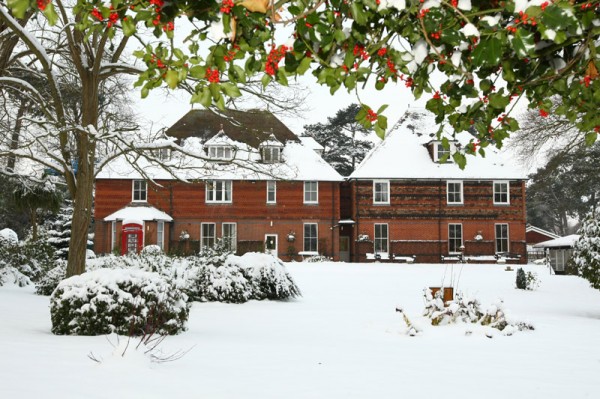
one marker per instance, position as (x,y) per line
(10,275)
(123,301)
(8,237)
(526,280)
(468,310)
(50,280)
(151,261)
(586,251)
(225,283)
(30,258)
(215,255)
(267,275)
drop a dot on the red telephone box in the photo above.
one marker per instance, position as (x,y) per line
(131,238)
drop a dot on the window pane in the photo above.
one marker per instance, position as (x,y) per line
(381,238)
(381,192)
(271,191)
(454,237)
(208,234)
(502,238)
(454,193)
(230,236)
(311,191)
(310,237)
(501,193)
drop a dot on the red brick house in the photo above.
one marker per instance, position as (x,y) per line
(252,183)
(407,201)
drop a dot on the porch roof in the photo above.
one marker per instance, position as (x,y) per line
(143,213)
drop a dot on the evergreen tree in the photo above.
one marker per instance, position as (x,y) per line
(567,187)
(340,137)
(586,252)
(59,230)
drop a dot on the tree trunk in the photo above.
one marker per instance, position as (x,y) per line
(83,195)
(14,139)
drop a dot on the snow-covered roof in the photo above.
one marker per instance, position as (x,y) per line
(271,141)
(134,214)
(299,163)
(221,139)
(311,143)
(404,155)
(566,241)
(541,231)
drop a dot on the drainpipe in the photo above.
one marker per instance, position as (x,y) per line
(440,219)
(333,220)
(357,217)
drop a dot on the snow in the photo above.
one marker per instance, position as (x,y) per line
(135,214)
(9,236)
(311,143)
(397,4)
(566,241)
(300,163)
(342,339)
(469,30)
(403,155)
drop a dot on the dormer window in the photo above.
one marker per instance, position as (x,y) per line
(271,154)
(441,153)
(270,149)
(220,152)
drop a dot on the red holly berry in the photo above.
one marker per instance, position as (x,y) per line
(42,4)
(371,115)
(543,113)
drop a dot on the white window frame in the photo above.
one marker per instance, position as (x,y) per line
(271,154)
(224,152)
(232,239)
(386,199)
(160,234)
(497,238)
(141,190)
(308,191)
(461,192)
(451,239)
(315,238)
(507,185)
(439,154)
(113,235)
(271,189)
(222,187)
(380,238)
(212,237)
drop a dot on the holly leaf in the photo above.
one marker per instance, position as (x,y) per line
(590,138)
(459,159)
(488,52)
(172,78)
(128,26)
(523,43)
(18,7)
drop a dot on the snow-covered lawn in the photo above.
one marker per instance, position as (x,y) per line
(342,339)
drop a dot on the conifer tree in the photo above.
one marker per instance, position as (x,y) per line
(586,252)
(59,230)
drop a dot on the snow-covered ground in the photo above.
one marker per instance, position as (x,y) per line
(342,339)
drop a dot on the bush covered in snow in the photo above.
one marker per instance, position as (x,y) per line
(586,251)
(30,259)
(267,276)
(209,283)
(468,310)
(50,280)
(526,280)
(123,301)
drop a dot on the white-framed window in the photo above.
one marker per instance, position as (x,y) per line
(271,154)
(207,235)
(229,236)
(381,238)
(218,191)
(441,152)
(220,152)
(502,237)
(113,235)
(501,192)
(381,192)
(163,154)
(139,191)
(311,237)
(455,237)
(160,234)
(311,192)
(454,190)
(271,192)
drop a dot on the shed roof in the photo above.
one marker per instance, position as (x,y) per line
(560,242)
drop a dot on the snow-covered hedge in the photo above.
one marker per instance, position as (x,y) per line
(267,276)
(28,260)
(123,301)
(50,280)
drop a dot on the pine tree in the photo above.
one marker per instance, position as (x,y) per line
(521,280)
(59,230)
(343,149)
(586,252)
